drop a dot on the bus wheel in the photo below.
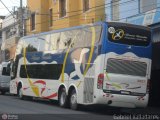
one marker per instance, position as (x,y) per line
(73,100)
(20,93)
(62,98)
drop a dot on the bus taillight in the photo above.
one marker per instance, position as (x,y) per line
(100,81)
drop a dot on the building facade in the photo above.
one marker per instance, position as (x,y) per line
(13,28)
(49,15)
(1,20)
(10,36)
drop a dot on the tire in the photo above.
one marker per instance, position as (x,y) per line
(62,98)
(73,100)
(20,93)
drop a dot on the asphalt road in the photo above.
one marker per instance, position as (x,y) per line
(15,109)
(47,110)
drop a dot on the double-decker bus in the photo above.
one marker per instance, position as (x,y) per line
(103,63)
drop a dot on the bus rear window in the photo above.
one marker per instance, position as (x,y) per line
(129,34)
(126,67)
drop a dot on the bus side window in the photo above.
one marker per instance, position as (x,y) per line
(88,36)
(41,71)
(54,41)
(98,29)
(43,42)
(77,36)
(65,40)
(14,66)
(8,69)
(13,70)
(5,72)
(47,45)
(83,37)
(31,45)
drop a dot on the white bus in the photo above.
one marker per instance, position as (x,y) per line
(101,63)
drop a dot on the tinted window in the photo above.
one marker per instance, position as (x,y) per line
(5,72)
(81,37)
(14,67)
(84,36)
(129,34)
(126,67)
(54,42)
(41,71)
(31,44)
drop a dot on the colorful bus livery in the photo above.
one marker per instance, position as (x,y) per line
(92,64)
(128,35)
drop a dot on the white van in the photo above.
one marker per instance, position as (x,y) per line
(4,77)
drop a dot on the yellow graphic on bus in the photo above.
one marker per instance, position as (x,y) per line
(34,88)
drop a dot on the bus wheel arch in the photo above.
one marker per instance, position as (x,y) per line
(72,94)
(62,96)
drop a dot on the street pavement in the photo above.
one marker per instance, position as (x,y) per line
(45,110)
(15,108)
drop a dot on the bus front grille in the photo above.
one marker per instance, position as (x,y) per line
(126,67)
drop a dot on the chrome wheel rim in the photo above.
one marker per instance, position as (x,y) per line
(62,98)
(73,99)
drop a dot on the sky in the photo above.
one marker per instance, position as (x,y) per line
(10,4)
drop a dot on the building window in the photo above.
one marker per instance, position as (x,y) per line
(147,5)
(85,5)
(158,3)
(50,17)
(62,6)
(33,21)
(119,10)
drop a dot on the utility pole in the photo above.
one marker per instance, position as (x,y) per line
(21,19)
(21,3)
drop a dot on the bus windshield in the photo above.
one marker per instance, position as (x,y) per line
(129,34)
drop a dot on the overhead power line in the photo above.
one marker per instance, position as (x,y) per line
(104,5)
(7,8)
(75,19)
(92,10)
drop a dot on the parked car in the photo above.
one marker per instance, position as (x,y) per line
(5,77)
